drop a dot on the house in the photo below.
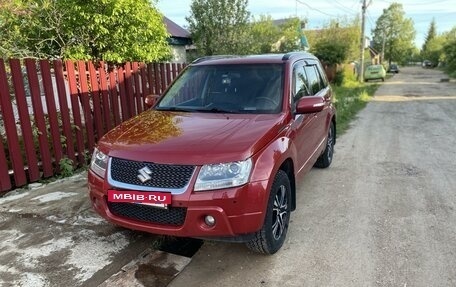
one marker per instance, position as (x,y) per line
(376,57)
(179,41)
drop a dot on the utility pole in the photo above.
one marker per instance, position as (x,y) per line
(383,47)
(363,20)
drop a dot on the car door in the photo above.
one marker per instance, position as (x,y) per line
(304,126)
(315,72)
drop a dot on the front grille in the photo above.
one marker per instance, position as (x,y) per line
(171,216)
(163,175)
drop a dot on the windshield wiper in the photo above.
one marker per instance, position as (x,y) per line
(218,110)
(174,109)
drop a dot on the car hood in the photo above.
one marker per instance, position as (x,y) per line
(191,138)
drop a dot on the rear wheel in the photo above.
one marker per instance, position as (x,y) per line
(325,158)
(269,239)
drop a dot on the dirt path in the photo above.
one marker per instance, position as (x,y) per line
(382,215)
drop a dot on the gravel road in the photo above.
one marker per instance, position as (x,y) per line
(382,215)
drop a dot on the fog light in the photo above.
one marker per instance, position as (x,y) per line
(209,220)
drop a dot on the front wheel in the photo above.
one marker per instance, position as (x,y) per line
(325,158)
(269,239)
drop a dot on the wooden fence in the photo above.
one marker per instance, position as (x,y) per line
(52,111)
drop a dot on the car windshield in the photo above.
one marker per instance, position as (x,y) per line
(252,88)
(374,67)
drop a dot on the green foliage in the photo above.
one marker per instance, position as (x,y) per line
(290,31)
(266,37)
(110,30)
(434,49)
(344,33)
(262,35)
(396,31)
(433,45)
(431,34)
(66,167)
(350,98)
(449,50)
(330,52)
(219,26)
(339,78)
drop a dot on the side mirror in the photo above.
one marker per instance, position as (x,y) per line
(150,100)
(309,105)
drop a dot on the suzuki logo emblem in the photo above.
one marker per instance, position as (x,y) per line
(144,174)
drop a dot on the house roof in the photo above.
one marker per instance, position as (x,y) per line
(280,22)
(175,30)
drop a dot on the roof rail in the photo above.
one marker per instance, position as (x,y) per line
(288,55)
(215,57)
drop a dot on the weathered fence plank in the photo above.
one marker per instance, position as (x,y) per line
(52,110)
(95,92)
(105,97)
(64,109)
(24,117)
(5,181)
(138,88)
(123,94)
(11,129)
(38,114)
(158,79)
(87,111)
(74,94)
(114,96)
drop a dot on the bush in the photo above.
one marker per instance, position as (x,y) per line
(339,78)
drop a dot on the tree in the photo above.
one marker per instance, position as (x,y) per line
(109,30)
(396,32)
(219,26)
(431,34)
(434,49)
(340,37)
(290,32)
(262,35)
(449,50)
(330,52)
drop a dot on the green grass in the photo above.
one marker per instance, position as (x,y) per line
(350,98)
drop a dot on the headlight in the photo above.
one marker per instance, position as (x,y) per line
(224,175)
(99,162)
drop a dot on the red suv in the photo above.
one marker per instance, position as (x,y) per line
(218,155)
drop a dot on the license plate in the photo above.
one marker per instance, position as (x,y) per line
(142,197)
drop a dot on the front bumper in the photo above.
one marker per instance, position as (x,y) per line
(237,211)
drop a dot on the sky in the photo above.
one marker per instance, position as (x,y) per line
(320,12)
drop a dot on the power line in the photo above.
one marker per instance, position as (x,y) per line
(417,4)
(314,9)
(345,8)
(369,18)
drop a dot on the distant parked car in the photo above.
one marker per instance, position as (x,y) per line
(375,72)
(393,68)
(427,64)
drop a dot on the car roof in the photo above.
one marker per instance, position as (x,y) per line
(252,59)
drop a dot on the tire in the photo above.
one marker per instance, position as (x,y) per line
(270,238)
(326,157)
